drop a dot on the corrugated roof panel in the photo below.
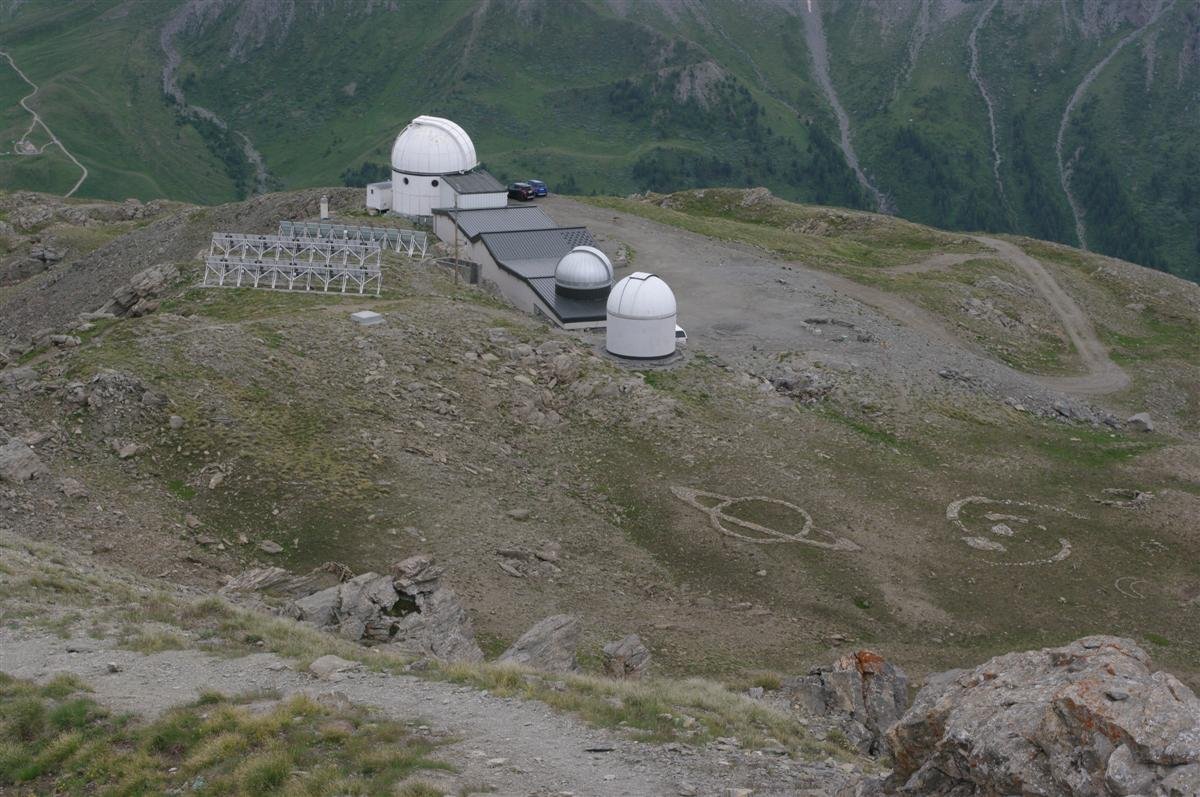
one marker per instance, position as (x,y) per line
(568,310)
(533,244)
(476,182)
(474,223)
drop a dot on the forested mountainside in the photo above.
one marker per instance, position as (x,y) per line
(1069,120)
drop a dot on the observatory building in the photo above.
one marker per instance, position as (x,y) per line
(434,166)
(641,318)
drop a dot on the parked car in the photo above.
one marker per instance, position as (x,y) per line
(680,336)
(539,188)
(521,191)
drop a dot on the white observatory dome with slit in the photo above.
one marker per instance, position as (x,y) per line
(641,318)
(427,150)
(585,269)
(432,145)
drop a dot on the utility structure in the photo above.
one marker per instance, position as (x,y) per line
(282,263)
(410,242)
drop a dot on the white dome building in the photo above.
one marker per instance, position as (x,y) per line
(425,152)
(641,318)
(583,273)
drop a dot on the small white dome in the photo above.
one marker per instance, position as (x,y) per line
(641,296)
(584,268)
(432,145)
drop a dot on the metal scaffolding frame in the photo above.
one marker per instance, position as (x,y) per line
(283,249)
(401,240)
(284,275)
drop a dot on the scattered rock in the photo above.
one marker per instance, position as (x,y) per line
(1044,722)
(626,658)
(192,522)
(175,422)
(18,462)
(332,668)
(72,488)
(549,645)
(1140,422)
(270,546)
(518,514)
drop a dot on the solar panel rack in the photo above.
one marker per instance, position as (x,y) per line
(400,240)
(277,263)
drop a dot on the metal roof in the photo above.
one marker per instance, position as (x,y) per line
(569,310)
(474,223)
(476,182)
(536,244)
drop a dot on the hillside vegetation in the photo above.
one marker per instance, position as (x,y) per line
(956,111)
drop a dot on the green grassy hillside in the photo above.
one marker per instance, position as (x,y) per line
(613,98)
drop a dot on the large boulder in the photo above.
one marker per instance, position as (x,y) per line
(18,463)
(357,609)
(1086,720)
(550,645)
(862,694)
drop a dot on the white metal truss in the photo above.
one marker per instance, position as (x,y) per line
(281,275)
(275,248)
(407,241)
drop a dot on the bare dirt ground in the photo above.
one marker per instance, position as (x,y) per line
(736,299)
(500,746)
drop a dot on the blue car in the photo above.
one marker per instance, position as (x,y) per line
(539,188)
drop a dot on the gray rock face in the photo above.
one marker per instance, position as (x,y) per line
(862,693)
(18,463)
(408,609)
(137,297)
(550,645)
(626,658)
(1086,720)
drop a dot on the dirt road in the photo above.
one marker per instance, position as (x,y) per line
(543,752)
(37,121)
(1104,375)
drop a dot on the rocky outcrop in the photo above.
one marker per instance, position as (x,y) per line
(407,609)
(862,693)
(626,658)
(440,626)
(550,645)
(140,295)
(18,462)
(1086,720)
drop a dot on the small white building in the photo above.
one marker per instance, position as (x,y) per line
(641,318)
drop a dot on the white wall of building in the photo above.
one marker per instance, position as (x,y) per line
(415,194)
(641,338)
(379,196)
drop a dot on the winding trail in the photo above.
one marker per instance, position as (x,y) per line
(37,120)
(973,46)
(1104,375)
(814,34)
(1065,168)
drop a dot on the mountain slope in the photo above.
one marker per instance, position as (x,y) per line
(954,110)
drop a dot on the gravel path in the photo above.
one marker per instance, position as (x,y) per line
(37,120)
(543,752)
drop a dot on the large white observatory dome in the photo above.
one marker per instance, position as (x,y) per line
(584,271)
(641,318)
(432,145)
